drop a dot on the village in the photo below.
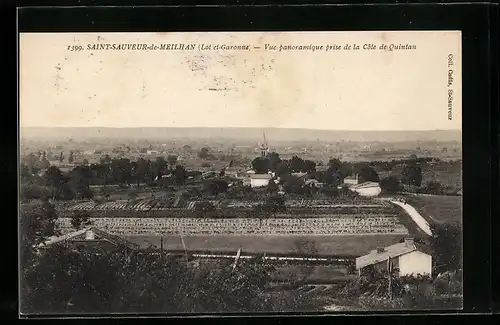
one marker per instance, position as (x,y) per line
(340,221)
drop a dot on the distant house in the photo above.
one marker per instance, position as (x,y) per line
(259,180)
(367,189)
(299,174)
(152,152)
(233,171)
(408,258)
(90,238)
(351,180)
(313,183)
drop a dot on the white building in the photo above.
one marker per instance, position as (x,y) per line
(367,189)
(407,258)
(259,180)
(351,180)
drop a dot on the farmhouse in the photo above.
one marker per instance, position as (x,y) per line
(408,258)
(259,180)
(367,189)
(91,238)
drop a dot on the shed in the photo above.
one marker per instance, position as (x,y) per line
(408,257)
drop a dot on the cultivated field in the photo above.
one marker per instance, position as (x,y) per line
(325,245)
(438,209)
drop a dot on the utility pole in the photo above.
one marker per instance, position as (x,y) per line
(389,272)
(161,246)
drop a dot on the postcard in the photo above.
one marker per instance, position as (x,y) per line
(240,172)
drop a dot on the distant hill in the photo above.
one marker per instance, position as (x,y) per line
(242,134)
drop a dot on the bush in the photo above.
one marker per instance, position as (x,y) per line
(35,192)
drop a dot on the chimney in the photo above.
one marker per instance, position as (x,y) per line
(409,242)
(380,250)
(89,235)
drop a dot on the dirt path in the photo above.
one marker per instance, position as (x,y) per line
(417,218)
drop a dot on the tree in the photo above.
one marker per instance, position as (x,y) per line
(261,165)
(172,160)
(446,244)
(390,184)
(80,220)
(180,174)
(274,161)
(37,223)
(71,157)
(274,205)
(61,157)
(297,164)
(44,162)
(272,187)
(142,169)
(412,174)
(216,186)
(203,153)
(334,165)
(368,174)
(434,187)
(387,167)
(305,247)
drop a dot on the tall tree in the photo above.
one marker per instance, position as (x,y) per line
(368,174)
(412,174)
(180,174)
(260,165)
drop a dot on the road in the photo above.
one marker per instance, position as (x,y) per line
(417,218)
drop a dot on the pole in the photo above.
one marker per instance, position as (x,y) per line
(389,272)
(161,246)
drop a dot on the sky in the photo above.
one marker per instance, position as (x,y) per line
(330,90)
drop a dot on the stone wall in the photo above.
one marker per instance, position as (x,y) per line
(245,226)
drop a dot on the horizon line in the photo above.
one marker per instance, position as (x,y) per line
(229,127)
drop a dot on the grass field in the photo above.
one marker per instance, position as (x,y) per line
(325,245)
(438,209)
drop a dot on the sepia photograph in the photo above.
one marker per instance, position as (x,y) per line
(195,173)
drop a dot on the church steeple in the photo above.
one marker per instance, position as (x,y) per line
(263,148)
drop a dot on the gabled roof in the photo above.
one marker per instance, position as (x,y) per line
(99,234)
(392,251)
(366,185)
(261,176)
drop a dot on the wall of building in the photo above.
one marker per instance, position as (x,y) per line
(257,182)
(415,263)
(245,226)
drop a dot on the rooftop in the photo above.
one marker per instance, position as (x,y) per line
(366,185)
(96,234)
(261,176)
(377,256)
